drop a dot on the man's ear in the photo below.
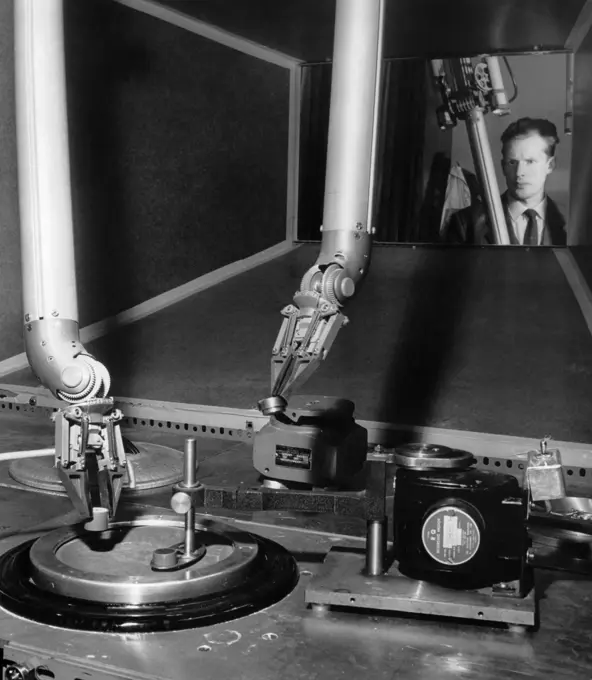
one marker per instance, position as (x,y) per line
(552,163)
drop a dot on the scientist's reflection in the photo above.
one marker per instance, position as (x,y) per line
(532,217)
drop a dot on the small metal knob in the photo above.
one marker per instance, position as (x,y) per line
(72,376)
(164,558)
(181,503)
(272,405)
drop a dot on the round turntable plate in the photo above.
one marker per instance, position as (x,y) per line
(155,466)
(103,582)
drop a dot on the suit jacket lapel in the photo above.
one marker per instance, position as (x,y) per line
(554,233)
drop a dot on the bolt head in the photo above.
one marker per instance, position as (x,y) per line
(55,313)
(72,376)
(348,287)
(181,503)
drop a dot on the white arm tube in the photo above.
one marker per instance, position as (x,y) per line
(47,241)
(50,303)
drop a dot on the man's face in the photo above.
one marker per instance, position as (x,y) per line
(526,165)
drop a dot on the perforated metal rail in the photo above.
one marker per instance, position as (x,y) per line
(509,453)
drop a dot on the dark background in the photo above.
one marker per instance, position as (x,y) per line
(178,159)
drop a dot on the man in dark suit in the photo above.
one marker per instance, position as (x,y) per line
(532,217)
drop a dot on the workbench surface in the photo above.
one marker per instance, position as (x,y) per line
(288,640)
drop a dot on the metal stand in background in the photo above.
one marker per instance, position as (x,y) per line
(183,502)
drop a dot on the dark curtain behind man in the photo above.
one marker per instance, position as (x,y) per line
(400,152)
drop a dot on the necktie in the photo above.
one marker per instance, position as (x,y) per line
(531,233)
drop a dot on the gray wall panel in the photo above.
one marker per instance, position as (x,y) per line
(10,265)
(179,159)
(580,231)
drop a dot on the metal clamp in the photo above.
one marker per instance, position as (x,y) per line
(544,473)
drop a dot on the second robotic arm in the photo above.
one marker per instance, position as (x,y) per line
(312,322)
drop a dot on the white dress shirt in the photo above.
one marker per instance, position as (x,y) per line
(520,221)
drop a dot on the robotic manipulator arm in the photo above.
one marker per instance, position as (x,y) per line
(312,322)
(89,450)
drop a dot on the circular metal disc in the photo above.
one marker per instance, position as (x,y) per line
(155,466)
(272,405)
(114,565)
(431,457)
(240,574)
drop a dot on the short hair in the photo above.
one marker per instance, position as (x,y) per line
(527,126)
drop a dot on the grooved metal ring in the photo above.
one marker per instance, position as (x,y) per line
(50,572)
(273,577)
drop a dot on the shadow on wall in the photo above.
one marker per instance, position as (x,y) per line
(425,350)
(95,71)
(96,68)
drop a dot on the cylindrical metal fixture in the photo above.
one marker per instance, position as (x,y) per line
(353,114)
(375,547)
(190,479)
(190,532)
(47,242)
(99,521)
(190,462)
(481,150)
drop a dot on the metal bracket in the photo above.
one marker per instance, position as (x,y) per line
(90,455)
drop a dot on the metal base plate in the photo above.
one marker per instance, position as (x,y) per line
(341,582)
(103,582)
(155,466)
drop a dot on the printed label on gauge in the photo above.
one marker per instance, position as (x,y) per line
(293,456)
(450,536)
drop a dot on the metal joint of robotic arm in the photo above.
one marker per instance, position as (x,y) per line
(311,323)
(61,363)
(90,455)
(465,86)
